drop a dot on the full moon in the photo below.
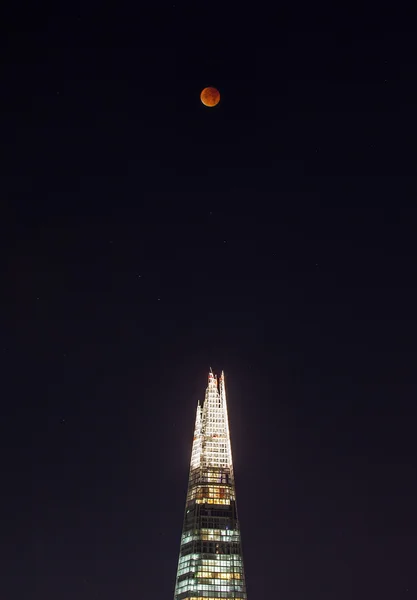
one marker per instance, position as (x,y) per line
(210,96)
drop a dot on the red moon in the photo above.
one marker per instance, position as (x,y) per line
(210,96)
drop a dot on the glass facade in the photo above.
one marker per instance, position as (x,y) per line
(210,565)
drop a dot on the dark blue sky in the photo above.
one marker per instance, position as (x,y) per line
(146,238)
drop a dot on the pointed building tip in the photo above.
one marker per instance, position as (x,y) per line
(212,378)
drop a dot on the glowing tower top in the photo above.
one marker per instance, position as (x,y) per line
(210,564)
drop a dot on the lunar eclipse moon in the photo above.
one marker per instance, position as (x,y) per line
(210,96)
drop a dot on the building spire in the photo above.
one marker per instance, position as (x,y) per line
(212,379)
(211,496)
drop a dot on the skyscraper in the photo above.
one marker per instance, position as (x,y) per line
(210,565)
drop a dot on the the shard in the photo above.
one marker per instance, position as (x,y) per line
(210,565)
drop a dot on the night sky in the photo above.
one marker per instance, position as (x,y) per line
(146,238)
